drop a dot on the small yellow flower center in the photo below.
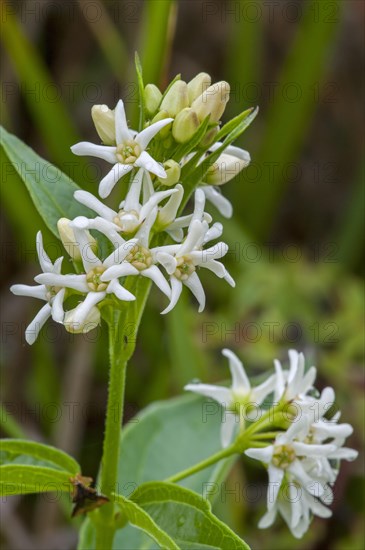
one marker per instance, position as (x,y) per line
(51,292)
(128,152)
(140,257)
(93,279)
(283,456)
(184,269)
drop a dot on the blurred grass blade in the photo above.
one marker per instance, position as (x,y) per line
(288,121)
(109,39)
(9,425)
(350,236)
(49,117)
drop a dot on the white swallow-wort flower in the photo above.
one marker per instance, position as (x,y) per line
(90,283)
(140,260)
(141,199)
(52,294)
(129,152)
(300,470)
(182,260)
(239,400)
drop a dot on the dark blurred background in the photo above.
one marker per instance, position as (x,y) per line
(296,236)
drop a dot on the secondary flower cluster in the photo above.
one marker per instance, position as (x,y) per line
(293,435)
(178,133)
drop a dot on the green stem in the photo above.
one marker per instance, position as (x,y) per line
(105,526)
(224,453)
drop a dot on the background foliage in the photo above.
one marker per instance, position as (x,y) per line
(296,238)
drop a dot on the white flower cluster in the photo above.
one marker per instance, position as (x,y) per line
(150,207)
(298,443)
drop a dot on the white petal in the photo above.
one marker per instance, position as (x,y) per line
(344,453)
(220,394)
(275,478)
(199,204)
(193,283)
(35,326)
(132,200)
(44,260)
(113,176)
(314,487)
(263,455)
(260,392)
(268,519)
(194,237)
(304,449)
(280,381)
(87,199)
(222,204)
(82,310)
(116,271)
(77,282)
(213,232)
(107,228)
(156,276)
(143,233)
(155,200)
(38,291)
(144,137)
(167,261)
(57,306)
(168,212)
(229,423)
(91,150)
(240,380)
(239,153)
(89,259)
(151,165)
(120,292)
(176,289)
(120,254)
(122,133)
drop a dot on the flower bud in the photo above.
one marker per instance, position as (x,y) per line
(152,97)
(173,171)
(165,131)
(198,85)
(212,102)
(76,327)
(68,239)
(224,169)
(185,125)
(104,120)
(176,99)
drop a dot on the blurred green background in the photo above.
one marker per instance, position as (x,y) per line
(296,237)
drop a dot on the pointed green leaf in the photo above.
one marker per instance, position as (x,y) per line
(20,479)
(50,189)
(22,451)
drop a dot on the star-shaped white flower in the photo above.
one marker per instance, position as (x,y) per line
(240,395)
(91,283)
(50,293)
(295,383)
(181,261)
(133,210)
(129,152)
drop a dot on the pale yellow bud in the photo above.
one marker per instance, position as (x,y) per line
(75,327)
(212,102)
(176,99)
(104,120)
(165,131)
(198,85)
(173,171)
(68,239)
(224,169)
(185,125)
(152,97)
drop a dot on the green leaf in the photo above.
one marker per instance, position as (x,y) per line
(167,437)
(20,450)
(186,517)
(20,479)
(232,124)
(139,518)
(140,91)
(50,189)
